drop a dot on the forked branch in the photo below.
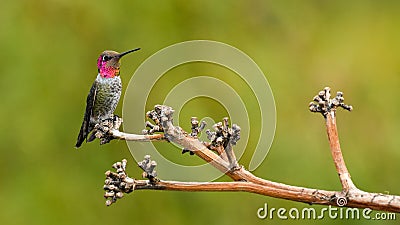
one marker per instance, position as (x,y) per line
(219,153)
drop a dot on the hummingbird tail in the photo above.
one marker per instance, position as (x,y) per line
(80,140)
(82,135)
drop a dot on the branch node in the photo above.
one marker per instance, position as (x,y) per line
(185,150)
(225,137)
(148,166)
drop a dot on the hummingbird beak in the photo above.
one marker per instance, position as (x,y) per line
(127,52)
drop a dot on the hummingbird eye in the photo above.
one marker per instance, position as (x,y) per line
(106,58)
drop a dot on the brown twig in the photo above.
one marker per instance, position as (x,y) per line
(108,130)
(121,183)
(136,137)
(350,196)
(327,106)
(344,175)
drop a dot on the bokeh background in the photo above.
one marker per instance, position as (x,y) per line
(47,64)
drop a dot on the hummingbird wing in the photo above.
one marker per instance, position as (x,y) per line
(86,128)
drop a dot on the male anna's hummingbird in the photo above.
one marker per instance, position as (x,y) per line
(104,95)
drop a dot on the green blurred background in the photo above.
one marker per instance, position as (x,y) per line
(48,62)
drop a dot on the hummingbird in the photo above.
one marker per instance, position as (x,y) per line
(104,94)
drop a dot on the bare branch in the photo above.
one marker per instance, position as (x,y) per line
(108,130)
(359,199)
(223,138)
(136,137)
(328,107)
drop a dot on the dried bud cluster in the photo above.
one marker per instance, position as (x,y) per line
(117,183)
(324,104)
(223,134)
(226,137)
(148,166)
(159,114)
(196,128)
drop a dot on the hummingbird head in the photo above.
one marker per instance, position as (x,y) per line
(108,62)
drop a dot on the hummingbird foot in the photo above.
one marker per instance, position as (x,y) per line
(117,122)
(103,130)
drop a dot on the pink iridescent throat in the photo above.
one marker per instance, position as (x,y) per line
(106,71)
